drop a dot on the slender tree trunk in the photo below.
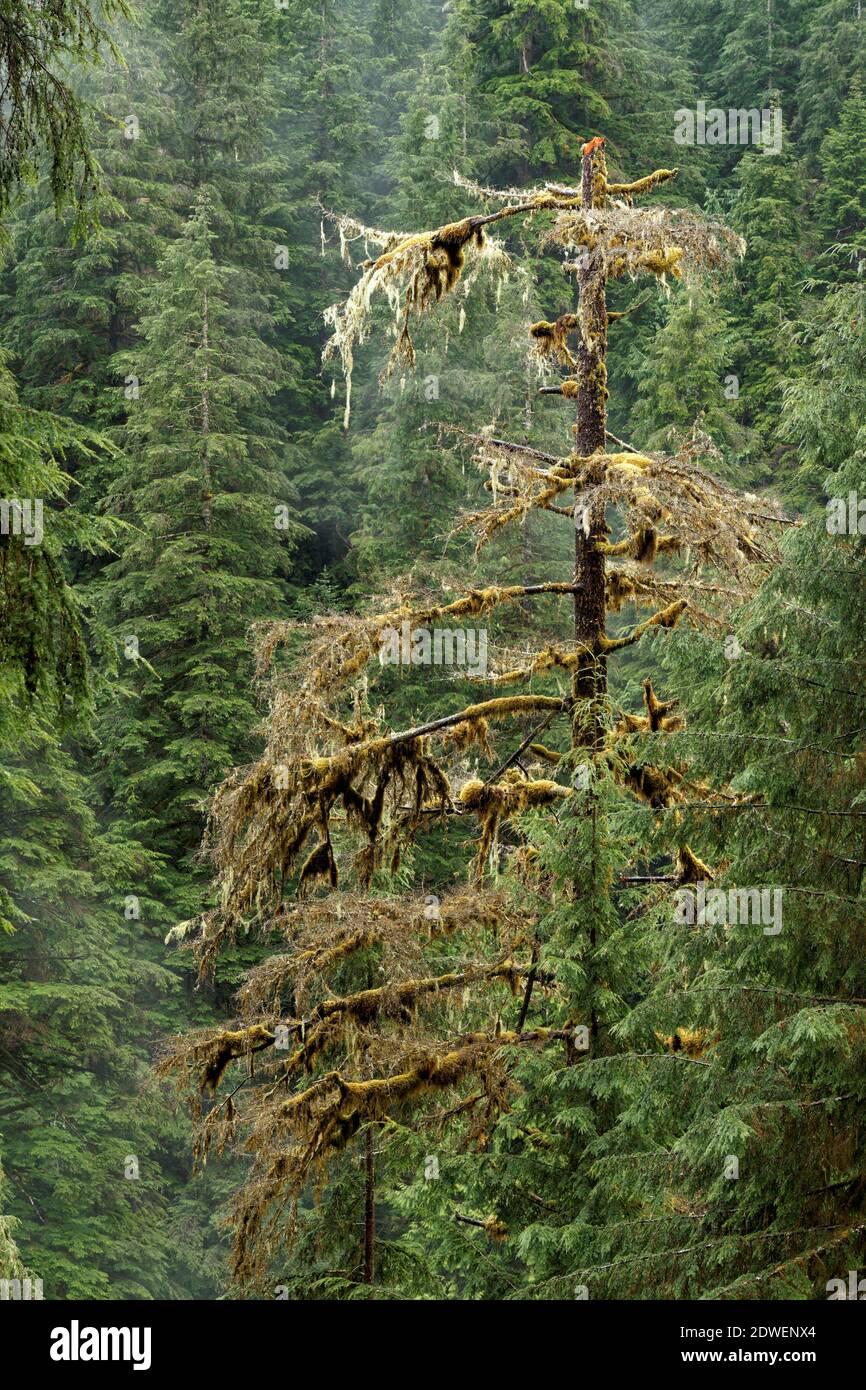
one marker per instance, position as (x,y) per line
(589,685)
(590,679)
(369,1210)
(205,416)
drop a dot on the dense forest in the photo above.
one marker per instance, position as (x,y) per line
(433,791)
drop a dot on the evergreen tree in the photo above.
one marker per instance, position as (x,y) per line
(742,1171)
(687,379)
(203,480)
(840,200)
(42,632)
(77,1004)
(834,58)
(335,770)
(66,311)
(765,300)
(42,115)
(744,57)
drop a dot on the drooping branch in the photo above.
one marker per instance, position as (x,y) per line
(326,1027)
(336,1105)
(340,647)
(324,933)
(496,708)
(416,271)
(615,316)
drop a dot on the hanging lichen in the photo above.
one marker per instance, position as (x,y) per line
(383,1009)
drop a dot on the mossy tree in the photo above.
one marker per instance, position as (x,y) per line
(379,999)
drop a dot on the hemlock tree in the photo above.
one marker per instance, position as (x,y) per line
(42,628)
(746,1166)
(83,1142)
(840,202)
(42,114)
(376,1005)
(66,311)
(203,480)
(765,298)
(43,647)
(836,45)
(686,378)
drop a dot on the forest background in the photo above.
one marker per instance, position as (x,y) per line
(220,142)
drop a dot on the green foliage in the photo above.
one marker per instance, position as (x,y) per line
(202,478)
(42,638)
(163,369)
(688,378)
(840,202)
(43,115)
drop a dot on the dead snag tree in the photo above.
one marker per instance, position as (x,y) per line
(380,1008)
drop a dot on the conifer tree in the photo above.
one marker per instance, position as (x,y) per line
(740,1175)
(10,1259)
(835,45)
(391,1002)
(83,1142)
(66,311)
(840,201)
(765,298)
(686,379)
(42,113)
(42,628)
(203,479)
